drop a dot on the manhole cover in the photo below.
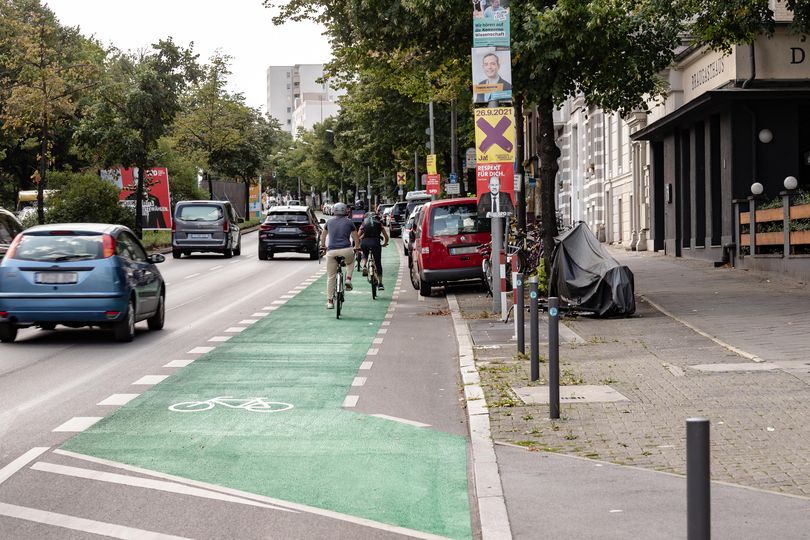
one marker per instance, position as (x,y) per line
(584,393)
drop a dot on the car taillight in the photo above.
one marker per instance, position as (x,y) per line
(109,246)
(307,228)
(174,226)
(3,314)
(226,226)
(266,227)
(13,247)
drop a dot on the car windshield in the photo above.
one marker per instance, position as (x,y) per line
(60,248)
(456,219)
(287,217)
(399,209)
(200,212)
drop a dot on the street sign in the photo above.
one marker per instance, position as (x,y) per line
(452,189)
(453,179)
(518,182)
(469,158)
(431,164)
(400,178)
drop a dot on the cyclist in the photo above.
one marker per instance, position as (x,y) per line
(358,213)
(342,235)
(370,232)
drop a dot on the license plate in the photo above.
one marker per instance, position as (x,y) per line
(288,230)
(463,250)
(199,236)
(56,278)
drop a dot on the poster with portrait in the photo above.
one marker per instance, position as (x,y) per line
(492,74)
(156,202)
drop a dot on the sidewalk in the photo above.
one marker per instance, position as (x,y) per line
(729,345)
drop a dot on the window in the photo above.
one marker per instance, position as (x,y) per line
(456,219)
(288,74)
(200,212)
(288,86)
(127,246)
(60,246)
(287,217)
(289,109)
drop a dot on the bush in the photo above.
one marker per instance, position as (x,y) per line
(86,198)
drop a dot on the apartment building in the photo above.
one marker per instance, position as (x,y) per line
(296,99)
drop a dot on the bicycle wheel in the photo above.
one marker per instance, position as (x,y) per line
(191,406)
(372,275)
(487,266)
(268,406)
(338,294)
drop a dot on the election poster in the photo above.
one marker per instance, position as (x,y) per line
(494,135)
(433,184)
(156,202)
(254,201)
(490,24)
(492,74)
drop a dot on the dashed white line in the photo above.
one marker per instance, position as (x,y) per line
(279,302)
(118,399)
(9,470)
(200,350)
(248,321)
(377,341)
(382,331)
(215,268)
(372,352)
(77,424)
(192,275)
(389,315)
(401,420)
(287,296)
(359,381)
(260,314)
(350,401)
(220,339)
(151,379)
(235,329)
(386,323)
(234,262)
(366,365)
(178,363)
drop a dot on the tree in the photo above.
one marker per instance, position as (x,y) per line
(136,104)
(45,66)
(87,198)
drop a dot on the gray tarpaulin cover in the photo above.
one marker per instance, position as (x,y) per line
(584,275)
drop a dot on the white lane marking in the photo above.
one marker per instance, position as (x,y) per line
(9,470)
(350,401)
(148,483)
(178,363)
(377,341)
(359,381)
(279,302)
(402,420)
(382,331)
(215,268)
(234,262)
(389,315)
(259,314)
(151,379)
(78,423)
(386,323)
(299,288)
(80,524)
(220,339)
(287,296)
(118,399)
(285,504)
(366,365)
(270,308)
(616,511)
(372,352)
(200,350)
(192,275)
(235,329)
(248,321)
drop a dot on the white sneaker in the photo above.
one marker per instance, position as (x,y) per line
(330,305)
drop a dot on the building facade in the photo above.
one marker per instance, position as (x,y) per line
(290,88)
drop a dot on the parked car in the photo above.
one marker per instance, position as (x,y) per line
(289,229)
(445,243)
(80,274)
(293,202)
(409,225)
(206,226)
(396,220)
(10,227)
(381,208)
(386,215)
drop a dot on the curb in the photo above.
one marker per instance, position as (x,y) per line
(488,489)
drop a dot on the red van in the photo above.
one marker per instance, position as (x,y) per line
(445,243)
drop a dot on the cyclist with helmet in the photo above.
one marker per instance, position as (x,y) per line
(358,213)
(370,232)
(342,235)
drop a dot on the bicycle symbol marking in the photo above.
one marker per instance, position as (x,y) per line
(253,404)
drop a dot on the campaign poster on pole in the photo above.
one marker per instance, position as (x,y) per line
(494,134)
(156,203)
(491,74)
(254,200)
(491,23)
(433,184)
(431,164)
(401,178)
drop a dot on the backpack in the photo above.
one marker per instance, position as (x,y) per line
(371,227)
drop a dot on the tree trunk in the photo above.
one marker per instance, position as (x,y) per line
(207,177)
(549,153)
(43,167)
(247,199)
(139,202)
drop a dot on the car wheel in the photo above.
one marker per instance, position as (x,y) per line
(228,253)
(124,330)
(238,250)
(262,254)
(48,326)
(176,253)
(424,288)
(414,275)
(156,321)
(8,332)
(313,255)
(270,254)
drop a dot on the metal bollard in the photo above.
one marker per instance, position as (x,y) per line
(534,333)
(698,486)
(520,314)
(553,358)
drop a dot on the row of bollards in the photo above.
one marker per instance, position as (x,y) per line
(698,486)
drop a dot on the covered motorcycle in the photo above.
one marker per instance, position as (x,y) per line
(584,275)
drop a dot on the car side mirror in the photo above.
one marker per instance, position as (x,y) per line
(156,258)
(321,221)
(240,220)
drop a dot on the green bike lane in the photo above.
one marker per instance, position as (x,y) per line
(316,453)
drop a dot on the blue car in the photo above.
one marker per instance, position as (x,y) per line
(80,274)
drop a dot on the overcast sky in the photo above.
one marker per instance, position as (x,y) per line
(240,28)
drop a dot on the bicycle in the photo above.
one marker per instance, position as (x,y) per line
(254,404)
(372,274)
(339,295)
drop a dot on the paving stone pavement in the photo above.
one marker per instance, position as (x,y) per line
(759,427)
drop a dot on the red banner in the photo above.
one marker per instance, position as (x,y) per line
(433,184)
(505,171)
(157,204)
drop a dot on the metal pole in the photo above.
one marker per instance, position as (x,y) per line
(368,187)
(453,139)
(520,314)
(534,330)
(432,137)
(495,262)
(698,486)
(299,190)
(415,170)
(553,357)
(520,195)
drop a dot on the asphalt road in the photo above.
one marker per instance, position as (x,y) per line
(54,384)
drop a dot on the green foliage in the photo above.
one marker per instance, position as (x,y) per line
(87,198)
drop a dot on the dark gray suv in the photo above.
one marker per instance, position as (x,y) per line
(205,226)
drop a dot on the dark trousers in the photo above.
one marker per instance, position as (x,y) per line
(376,249)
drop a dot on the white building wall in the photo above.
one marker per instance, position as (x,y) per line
(286,84)
(279,95)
